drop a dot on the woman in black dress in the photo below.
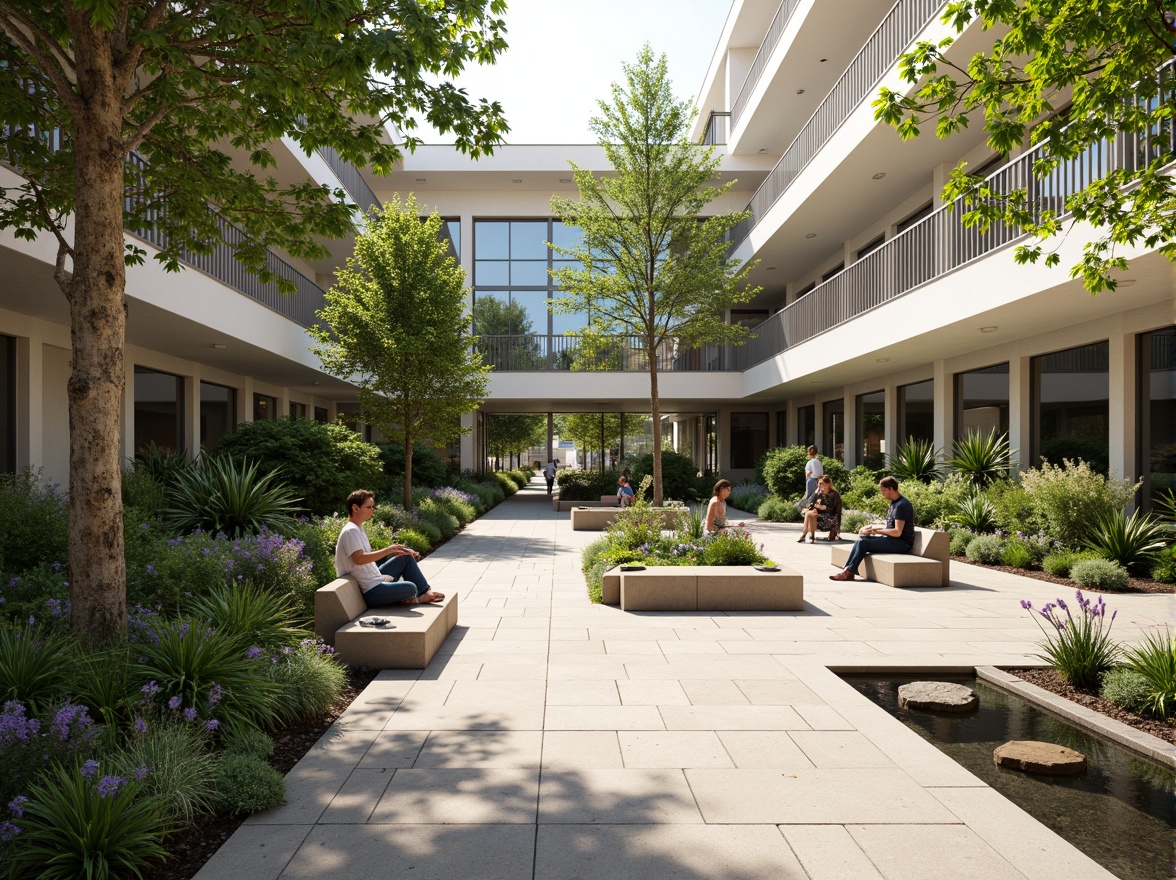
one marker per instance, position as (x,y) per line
(823,512)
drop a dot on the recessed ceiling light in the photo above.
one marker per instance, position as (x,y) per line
(763,149)
(564,180)
(823,60)
(517,180)
(219,346)
(316,383)
(991,329)
(810,235)
(879,175)
(800,91)
(421,180)
(882,360)
(771,268)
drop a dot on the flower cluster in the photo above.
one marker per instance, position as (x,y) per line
(1078,647)
(450,494)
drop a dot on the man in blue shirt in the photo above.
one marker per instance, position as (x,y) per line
(896,537)
(625,493)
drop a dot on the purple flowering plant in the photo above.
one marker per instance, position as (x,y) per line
(1077,641)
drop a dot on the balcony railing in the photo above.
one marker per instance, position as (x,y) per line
(941,242)
(718,126)
(775,29)
(351,179)
(542,353)
(220,264)
(901,25)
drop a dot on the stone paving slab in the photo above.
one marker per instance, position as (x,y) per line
(553,739)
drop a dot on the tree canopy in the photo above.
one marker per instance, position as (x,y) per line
(651,263)
(1091,80)
(590,430)
(394,324)
(139,115)
(514,433)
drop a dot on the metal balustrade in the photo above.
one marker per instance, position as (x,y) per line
(941,242)
(351,179)
(542,353)
(775,29)
(718,127)
(901,25)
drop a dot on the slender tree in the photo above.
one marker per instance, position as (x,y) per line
(591,430)
(652,266)
(1076,78)
(514,433)
(139,113)
(394,324)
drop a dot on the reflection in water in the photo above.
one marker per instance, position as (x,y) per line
(1121,812)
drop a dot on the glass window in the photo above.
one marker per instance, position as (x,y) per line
(297,410)
(835,429)
(749,438)
(871,418)
(916,411)
(528,240)
(492,273)
(218,414)
(982,401)
(491,240)
(320,414)
(806,425)
(566,237)
(571,322)
(159,408)
(839,267)
(1157,413)
(264,407)
(711,440)
(533,304)
(1072,406)
(528,273)
(872,246)
(453,229)
(7,404)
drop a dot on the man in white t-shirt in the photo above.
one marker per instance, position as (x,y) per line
(398,580)
(813,470)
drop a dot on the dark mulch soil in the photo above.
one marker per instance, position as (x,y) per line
(1050,681)
(191,847)
(1134,585)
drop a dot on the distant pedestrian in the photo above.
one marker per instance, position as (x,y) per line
(549,475)
(813,471)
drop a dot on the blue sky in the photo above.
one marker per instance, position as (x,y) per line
(565,54)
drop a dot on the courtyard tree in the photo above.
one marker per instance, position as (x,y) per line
(139,115)
(394,324)
(514,433)
(652,265)
(590,431)
(1074,78)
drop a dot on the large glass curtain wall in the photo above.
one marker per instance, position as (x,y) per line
(218,414)
(982,401)
(1072,406)
(916,411)
(834,438)
(749,439)
(806,425)
(871,428)
(513,289)
(1157,413)
(159,407)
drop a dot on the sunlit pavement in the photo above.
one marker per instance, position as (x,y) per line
(555,739)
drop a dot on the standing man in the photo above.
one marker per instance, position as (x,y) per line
(398,581)
(896,537)
(549,475)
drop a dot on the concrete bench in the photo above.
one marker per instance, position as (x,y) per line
(409,641)
(561,506)
(595,519)
(926,565)
(704,588)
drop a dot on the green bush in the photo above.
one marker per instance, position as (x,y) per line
(414,540)
(782,471)
(225,495)
(1072,497)
(982,458)
(975,513)
(36,523)
(935,503)
(1164,566)
(35,592)
(747,496)
(733,547)
(1099,574)
(309,682)
(248,741)
(985,550)
(853,520)
(586,485)
(1015,510)
(35,664)
(509,486)
(433,512)
(322,462)
(101,680)
(427,467)
(598,557)
(776,510)
(636,525)
(678,474)
(960,539)
(246,785)
(1060,562)
(1127,689)
(863,493)
(520,477)
(484,494)
(455,502)
(181,765)
(255,616)
(1130,541)
(77,825)
(1155,661)
(1018,554)
(142,493)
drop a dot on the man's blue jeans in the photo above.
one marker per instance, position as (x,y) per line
(868,544)
(409,582)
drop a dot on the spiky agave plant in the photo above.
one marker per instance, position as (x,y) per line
(915,459)
(229,496)
(982,458)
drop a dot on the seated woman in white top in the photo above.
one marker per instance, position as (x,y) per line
(716,511)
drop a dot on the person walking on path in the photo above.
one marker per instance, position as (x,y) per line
(896,537)
(396,581)
(549,475)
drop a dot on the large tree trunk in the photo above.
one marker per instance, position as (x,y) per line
(655,411)
(98,330)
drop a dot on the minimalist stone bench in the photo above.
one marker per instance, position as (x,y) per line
(927,564)
(561,506)
(704,588)
(409,641)
(595,519)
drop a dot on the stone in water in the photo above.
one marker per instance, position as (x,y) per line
(1048,759)
(939,696)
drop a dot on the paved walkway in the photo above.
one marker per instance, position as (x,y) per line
(555,739)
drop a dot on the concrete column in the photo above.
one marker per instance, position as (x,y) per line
(851,431)
(890,438)
(1122,404)
(943,408)
(128,419)
(1021,411)
(192,412)
(245,400)
(29,402)
(469,438)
